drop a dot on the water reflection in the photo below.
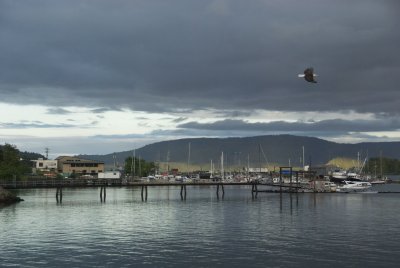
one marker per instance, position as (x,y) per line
(273,229)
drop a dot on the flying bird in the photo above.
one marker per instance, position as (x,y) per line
(309,75)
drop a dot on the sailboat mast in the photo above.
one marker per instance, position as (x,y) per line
(168,162)
(211,173)
(381,164)
(259,156)
(134,163)
(140,167)
(132,166)
(188,161)
(248,166)
(222,166)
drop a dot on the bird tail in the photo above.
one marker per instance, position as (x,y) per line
(300,75)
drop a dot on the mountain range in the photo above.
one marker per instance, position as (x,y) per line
(276,149)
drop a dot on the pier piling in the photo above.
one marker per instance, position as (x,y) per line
(103,193)
(59,194)
(183,192)
(144,193)
(254,189)
(222,190)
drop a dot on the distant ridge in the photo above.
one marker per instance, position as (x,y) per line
(275,148)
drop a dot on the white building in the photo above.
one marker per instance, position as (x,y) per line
(257,170)
(109,175)
(41,164)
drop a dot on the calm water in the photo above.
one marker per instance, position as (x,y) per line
(307,230)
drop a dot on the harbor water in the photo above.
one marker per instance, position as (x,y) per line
(238,230)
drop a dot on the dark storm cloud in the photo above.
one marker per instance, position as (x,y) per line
(182,54)
(103,110)
(336,125)
(57,111)
(179,120)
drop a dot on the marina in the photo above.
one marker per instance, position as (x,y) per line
(273,186)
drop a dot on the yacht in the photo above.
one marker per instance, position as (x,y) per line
(338,175)
(354,186)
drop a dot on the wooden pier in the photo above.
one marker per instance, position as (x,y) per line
(104,184)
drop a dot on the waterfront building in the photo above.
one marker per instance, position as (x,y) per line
(68,165)
(45,165)
(47,168)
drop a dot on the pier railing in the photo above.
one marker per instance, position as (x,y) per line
(55,183)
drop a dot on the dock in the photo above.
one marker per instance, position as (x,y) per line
(103,184)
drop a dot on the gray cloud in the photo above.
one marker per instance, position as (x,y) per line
(179,120)
(35,124)
(57,110)
(164,55)
(335,125)
(103,110)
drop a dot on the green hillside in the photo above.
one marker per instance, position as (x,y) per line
(259,150)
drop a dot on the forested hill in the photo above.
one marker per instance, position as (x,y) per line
(24,155)
(279,149)
(15,163)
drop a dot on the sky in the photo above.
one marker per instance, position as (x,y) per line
(97,77)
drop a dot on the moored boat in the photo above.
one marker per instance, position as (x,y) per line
(338,175)
(354,186)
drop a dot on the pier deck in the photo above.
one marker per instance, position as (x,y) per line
(46,183)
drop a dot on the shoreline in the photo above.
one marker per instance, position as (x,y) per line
(8,198)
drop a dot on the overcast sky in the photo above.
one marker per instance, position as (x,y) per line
(104,76)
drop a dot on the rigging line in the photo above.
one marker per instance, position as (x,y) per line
(266,160)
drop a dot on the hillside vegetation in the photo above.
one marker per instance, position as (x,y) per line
(344,163)
(260,150)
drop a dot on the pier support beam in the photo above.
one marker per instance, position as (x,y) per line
(59,194)
(254,189)
(103,193)
(183,192)
(144,190)
(222,189)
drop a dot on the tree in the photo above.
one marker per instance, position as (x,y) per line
(10,163)
(141,168)
(386,165)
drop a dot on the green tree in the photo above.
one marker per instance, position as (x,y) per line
(139,167)
(10,162)
(387,166)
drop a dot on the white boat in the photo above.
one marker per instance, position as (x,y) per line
(339,175)
(378,182)
(354,186)
(353,176)
(330,186)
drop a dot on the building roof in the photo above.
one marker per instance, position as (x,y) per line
(72,159)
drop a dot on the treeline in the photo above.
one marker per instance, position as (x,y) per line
(139,167)
(386,166)
(12,165)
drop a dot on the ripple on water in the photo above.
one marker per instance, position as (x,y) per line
(305,230)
